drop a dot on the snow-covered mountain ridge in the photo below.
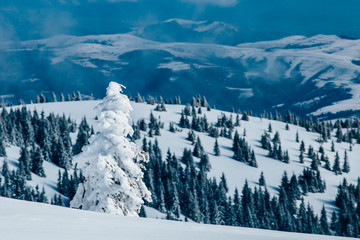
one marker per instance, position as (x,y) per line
(309,75)
(182,30)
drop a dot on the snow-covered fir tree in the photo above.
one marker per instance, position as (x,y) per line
(216,148)
(111,165)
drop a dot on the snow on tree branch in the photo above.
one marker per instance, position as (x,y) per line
(111,164)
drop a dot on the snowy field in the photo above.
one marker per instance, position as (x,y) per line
(21,220)
(235,172)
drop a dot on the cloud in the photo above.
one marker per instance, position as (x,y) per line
(7,31)
(122,0)
(222,3)
(78,2)
(112,1)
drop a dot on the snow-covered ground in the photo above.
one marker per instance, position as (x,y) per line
(235,172)
(21,220)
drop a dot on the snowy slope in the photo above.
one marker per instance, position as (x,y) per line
(235,172)
(316,75)
(321,59)
(49,183)
(20,220)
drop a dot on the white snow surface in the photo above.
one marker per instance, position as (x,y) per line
(175,66)
(184,22)
(235,172)
(21,220)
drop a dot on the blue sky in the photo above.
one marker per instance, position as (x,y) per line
(257,19)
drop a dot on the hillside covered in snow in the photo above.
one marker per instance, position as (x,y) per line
(171,136)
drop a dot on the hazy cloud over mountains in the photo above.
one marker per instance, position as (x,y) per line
(256,20)
(223,3)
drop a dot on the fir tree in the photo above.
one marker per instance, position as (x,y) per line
(334,221)
(346,166)
(198,148)
(314,163)
(265,141)
(302,146)
(172,128)
(262,179)
(142,212)
(191,137)
(237,120)
(205,165)
(54,99)
(73,97)
(297,137)
(184,121)
(324,226)
(37,163)
(336,167)
(327,163)
(301,157)
(276,139)
(2,148)
(120,177)
(294,190)
(78,96)
(245,117)
(42,98)
(339,134)
(187,157)
(216,148)
(60,155)
(160,107)
(82,137)
(310,151)
(150,133)
(25,163)
(253,162)
(286,158)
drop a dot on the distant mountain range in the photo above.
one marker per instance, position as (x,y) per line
(180,30)
(308,75)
